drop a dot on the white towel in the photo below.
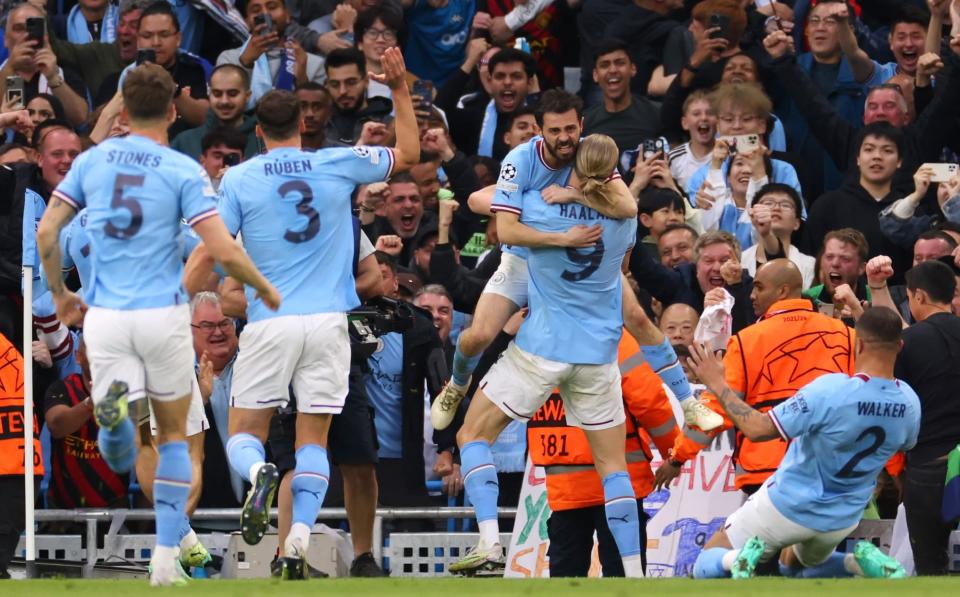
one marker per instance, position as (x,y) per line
(716,324)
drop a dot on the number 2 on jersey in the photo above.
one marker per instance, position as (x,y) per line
(879,435)
(304,209)
(128,203)
(591,260)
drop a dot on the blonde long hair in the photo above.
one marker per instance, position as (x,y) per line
(596,158)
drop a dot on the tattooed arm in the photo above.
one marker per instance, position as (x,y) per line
(755,425)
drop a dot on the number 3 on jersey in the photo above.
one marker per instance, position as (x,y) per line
(304,209)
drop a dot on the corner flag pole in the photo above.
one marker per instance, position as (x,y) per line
(28,454)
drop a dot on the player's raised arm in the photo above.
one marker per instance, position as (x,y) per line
(755,425)
(235,262)
(406,150)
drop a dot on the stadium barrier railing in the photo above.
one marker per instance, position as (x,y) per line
(90,518)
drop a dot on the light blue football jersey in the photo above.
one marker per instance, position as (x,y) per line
(843,430)
(136,192)
(75,246)
(575,295)
(293,209)
(524,169)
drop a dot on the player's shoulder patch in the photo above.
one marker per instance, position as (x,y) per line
(508,172)
(364,152)
(207,184)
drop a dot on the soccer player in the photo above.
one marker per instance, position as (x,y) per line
(75,254)
(292,208)
(568,341)
(137,328)
(842,429)
(534,165)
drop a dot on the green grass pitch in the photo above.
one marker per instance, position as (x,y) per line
(455,587)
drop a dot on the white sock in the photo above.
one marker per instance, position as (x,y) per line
(489,532)
(165,556)
(633,566)
(189,540)
(850,565)
(252,473)
(298,540)
(729,558)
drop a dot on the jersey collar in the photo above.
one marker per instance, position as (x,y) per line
(797,304)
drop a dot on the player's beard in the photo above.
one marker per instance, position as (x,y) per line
(562,161)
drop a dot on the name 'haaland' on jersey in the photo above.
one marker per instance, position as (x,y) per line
(575,211)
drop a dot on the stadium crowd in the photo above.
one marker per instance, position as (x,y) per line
(788,159)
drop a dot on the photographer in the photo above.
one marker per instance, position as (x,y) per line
(403,364)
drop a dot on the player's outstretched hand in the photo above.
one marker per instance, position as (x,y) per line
(581,236)
(270,297)
(394,70)
(664,475)
(70,309)
(707,366)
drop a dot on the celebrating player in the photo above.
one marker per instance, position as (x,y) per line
(544,164)
(569,341)
(842,430)
(75,254)
(137,328)
(532,166)
(306,248)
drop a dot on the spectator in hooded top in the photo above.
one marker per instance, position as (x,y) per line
(229,97)
(858,204)
(478,124)
(348,83)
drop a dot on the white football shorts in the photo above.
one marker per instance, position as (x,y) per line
(519,383)
(758,517)
(311,352)
(151,350)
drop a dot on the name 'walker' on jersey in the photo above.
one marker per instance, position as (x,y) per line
(843,430)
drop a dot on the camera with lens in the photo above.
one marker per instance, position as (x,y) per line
(373,319)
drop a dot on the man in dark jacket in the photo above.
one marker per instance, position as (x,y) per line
(717,266)
(924,137)
(645,26)
(398,371)
(857,204)
(478,122)
(928,363)
(347,83)
(229,93)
